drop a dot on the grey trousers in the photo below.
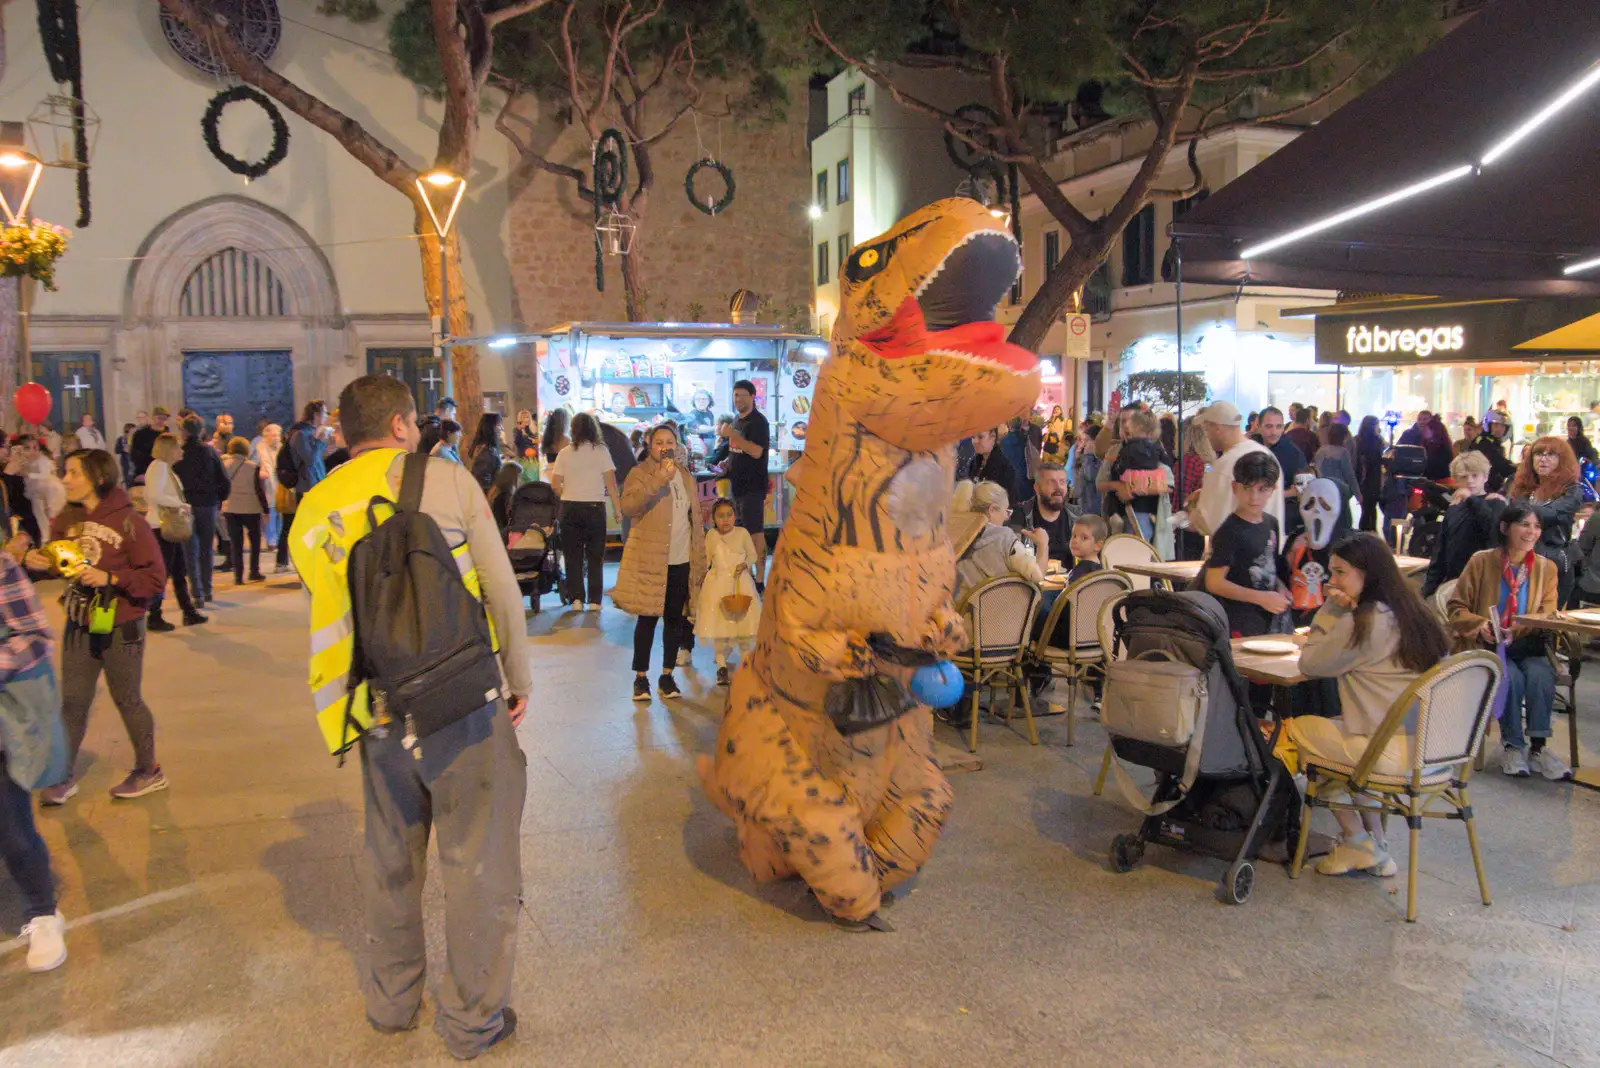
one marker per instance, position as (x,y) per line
(120,655)
(469,787)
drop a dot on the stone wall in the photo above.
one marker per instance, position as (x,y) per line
(761,242)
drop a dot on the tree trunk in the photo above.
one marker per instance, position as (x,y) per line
(634,292)
(466,384)
(1047,304)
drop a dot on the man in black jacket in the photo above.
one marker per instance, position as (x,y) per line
(1492,444)
(205,485)
(989,464)
(1471,523)
(144,440)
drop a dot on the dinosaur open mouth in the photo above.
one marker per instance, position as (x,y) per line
(970,282)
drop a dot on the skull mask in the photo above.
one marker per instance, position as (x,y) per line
(1319,510)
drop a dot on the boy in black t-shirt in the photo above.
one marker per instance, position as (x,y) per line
(1245,570)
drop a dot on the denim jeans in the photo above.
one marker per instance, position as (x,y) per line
(23,850)
(1147,525)
(1530,690)
(201,551)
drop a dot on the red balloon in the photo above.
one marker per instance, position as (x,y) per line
(32,402)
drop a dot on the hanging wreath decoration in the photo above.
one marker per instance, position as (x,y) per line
(280,131)
(58,32)
(723,171)
(610,162)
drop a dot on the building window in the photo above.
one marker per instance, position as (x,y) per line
(822,189)
(1052,250)
(843,180)
(822,264)
(1139,248)
(844,248)
(858,101)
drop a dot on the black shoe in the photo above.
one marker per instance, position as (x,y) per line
(256,578)
(667,686)
(724,676)
(641,688)
(191,618)
(507,1029)
(157,624)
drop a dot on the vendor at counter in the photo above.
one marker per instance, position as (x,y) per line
(749,439)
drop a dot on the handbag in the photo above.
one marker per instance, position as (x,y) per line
(31,732)
(176,520)
(1156,699)
(284,499)
(857,705)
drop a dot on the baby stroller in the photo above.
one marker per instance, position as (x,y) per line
(531,539)
(1232,796)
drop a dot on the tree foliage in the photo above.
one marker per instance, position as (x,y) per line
(1054,69)
(1160,390)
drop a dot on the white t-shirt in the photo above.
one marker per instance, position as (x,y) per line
(1216,492)
(679,544)
(90,438)
(582,469)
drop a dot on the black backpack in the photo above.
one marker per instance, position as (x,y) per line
(287,471)
(421,638)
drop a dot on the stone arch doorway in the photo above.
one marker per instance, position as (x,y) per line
(231,306)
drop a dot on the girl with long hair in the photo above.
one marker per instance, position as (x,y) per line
(1369,470)
(584,476)
(1374,636)
(1582,447)
(1547,480)
(1496,587)
(555,434)
(486,452)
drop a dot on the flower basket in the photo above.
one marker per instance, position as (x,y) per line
(30,250)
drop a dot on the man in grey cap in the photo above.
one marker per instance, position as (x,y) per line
(1212,503)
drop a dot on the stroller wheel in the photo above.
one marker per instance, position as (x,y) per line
(1237,884)
(1126,852)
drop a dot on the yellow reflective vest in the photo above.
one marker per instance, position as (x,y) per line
(330,519)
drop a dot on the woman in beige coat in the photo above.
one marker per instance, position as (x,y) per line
(663,561)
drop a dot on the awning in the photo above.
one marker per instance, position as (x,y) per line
(1505,231)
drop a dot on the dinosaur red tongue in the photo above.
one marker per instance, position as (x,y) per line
(907,335)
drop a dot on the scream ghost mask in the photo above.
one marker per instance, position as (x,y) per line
(1319,510)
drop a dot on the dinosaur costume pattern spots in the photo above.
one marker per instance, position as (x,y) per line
(918,364)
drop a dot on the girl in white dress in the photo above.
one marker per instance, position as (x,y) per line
(730,554)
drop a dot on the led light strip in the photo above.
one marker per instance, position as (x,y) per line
(1500,148)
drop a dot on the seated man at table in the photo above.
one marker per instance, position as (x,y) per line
(1374,636)
(1047,510)
(1245,570)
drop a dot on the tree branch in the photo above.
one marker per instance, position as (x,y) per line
(371,153)
(1233,73)
(491,19)
(1314,101)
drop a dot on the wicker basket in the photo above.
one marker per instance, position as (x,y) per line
(735,605)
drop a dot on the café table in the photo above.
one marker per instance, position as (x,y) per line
(1269,669)
(1584,626)
(1180,572)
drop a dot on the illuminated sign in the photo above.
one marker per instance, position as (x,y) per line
(1366,340)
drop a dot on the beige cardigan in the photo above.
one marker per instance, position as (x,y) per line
(1477,594)
(641,588)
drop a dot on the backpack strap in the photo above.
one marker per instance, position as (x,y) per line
(411,480)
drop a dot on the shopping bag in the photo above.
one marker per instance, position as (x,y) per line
(31,732)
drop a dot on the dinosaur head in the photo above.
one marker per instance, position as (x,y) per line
(920,361)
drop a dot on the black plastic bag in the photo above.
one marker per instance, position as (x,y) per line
(857,705)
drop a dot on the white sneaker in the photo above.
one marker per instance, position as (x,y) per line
(47,942)
(1549,764)
(591,608)
(1360,853)
(1515,762)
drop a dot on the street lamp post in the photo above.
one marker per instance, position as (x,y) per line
(448,189)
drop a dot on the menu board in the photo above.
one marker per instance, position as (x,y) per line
(799,386)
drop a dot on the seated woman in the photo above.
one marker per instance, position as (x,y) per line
(997,550)
(1355,639)
(1497,586)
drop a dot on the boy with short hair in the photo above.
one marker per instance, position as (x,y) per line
(1470,524)
(1245,569)
(1089,534)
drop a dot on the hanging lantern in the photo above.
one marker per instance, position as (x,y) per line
(615,231)
(53,128)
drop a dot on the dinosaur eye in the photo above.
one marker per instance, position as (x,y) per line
(868,262)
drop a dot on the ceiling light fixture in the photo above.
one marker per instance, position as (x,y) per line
(1544,115)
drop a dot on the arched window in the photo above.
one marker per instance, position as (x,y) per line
(233,284)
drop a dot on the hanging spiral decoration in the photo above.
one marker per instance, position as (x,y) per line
(981,165)
(610,163)
(58,31)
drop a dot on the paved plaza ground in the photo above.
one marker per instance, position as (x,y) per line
(219,923)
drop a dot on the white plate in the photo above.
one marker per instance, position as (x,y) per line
(1269,646)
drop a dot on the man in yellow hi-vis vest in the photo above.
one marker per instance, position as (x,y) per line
(466,780)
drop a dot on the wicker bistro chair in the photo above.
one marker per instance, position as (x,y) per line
(1122,549)
(1081,651)
(1453,702)
(999,619)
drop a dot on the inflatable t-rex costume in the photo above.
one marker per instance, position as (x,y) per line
(918,364)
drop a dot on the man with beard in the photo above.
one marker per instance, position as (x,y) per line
(1046,511)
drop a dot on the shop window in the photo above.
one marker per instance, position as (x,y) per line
(858,100)
(1139,248)
(822,189)
(1052,250)
(844,247)
(822,264)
